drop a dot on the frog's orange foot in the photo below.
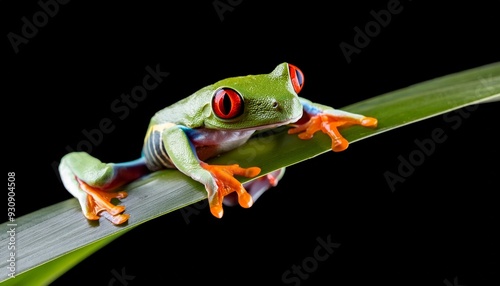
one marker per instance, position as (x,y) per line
(99,201)
(227,184)
(329,123)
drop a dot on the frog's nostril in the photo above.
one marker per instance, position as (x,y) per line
(275,104)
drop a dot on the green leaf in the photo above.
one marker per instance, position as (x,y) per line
(52,240)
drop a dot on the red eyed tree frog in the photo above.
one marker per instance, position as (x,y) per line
(213,120)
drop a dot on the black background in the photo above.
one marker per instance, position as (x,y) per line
(436,228)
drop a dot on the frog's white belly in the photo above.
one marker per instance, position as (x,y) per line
(209,142)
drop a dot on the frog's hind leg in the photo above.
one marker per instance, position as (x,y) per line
(257,187)
(95,184)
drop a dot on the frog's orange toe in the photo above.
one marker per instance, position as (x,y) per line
(251,172)
(217,211)
(116,219)
(369,122)
(90,214)
(245,200)
(116,210)
(339,144)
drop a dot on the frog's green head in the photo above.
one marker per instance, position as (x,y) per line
(256,101)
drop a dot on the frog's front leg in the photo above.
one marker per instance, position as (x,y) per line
(218,180)
(95,184)
(328,120)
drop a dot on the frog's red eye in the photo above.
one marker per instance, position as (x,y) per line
(297,78)
(227,103)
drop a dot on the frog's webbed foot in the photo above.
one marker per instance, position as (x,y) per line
(99,201)
(94,184)
(328,122)
(226,184)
